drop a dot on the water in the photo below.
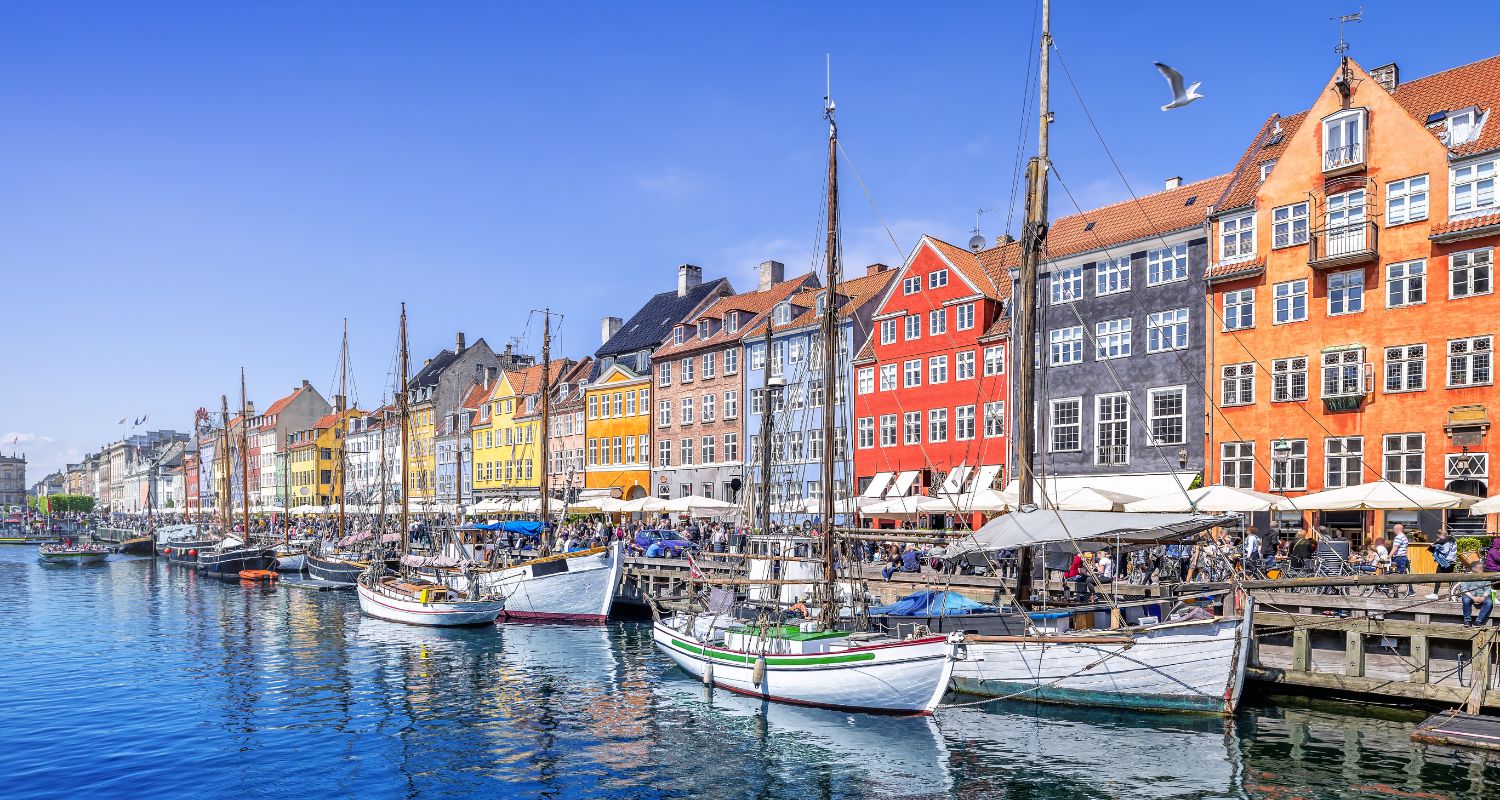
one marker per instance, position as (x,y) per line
(139,679)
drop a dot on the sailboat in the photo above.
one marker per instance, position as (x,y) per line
(1183,658)
(234,555)
(181,543)
(340,561)
(403,597)
(816,663)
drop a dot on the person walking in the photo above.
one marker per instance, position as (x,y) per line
(1445,555)
(1400,563)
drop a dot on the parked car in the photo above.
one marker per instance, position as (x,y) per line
(671,542)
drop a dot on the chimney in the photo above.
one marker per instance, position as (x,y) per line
(1173,183)
(1388,76)
(771,273)
(876,269)
(305,384)
(338,403)
(1004,239)
(458,344)
(689,278)
(608,327)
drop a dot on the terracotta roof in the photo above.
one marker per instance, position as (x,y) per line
(1134,220)
(1238,269)
(855,291)
(998,262)
(972,266)
(1476,84)
(999,329)
(528,380)
(1481,221)
(756,304)
(280,405)
(1268,144)
(326,421)
(476,396)
(866,354)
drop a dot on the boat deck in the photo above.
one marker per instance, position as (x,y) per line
(1459,729)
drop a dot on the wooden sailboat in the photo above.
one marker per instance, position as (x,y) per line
(330,563)
(236,554)
(402,598)
(816,663)
(180,544)
(1196,663)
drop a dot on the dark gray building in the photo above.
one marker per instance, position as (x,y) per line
(1121,338)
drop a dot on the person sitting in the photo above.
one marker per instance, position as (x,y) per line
(1083,586)
(799,609)
(1476,598)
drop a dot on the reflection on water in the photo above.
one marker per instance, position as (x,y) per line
(138,679)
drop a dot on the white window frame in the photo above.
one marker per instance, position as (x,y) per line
(1344,154)
(1477,267)
(1396,458)
(911,373)
(1118,422)
(994,360)
(1285,388)
(963,365)
(1295,290)
(1343,373)
(1476,351)
(1242,375)
(1281,472)
(1237,238)
(913,326)
(1471,188)
(1336,465)
(866,382)
(889,425)
(1168,330)
(937,278)
(866,437)
(888,331)
(911,284)
(964,423)
(1167,264)
(1398,365)
(1403,280)
(889,380)
(1066,346)
(994,419)
(1152,417)
(1065,285)
(1242,456)
(1112,339)
(1112,276)
(937,322)
(1343,298)
(1406,200)
(911,427)
(963,316)
(937,370)
(1239,310)
(1075,427)
(1285,228)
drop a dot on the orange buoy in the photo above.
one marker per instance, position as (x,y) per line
(166,551)
(192,552)
(257,575)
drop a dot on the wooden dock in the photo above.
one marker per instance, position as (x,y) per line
(1460,730)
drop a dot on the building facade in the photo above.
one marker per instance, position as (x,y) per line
(565,432)
(13,481)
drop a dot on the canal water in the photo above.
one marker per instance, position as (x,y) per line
(139,679)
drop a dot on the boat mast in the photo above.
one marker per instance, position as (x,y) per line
(245,454)
(765,437)
(384,476)
(405,433)
(1033,238)
(545,485)
(829,610)
(342,429)
(226,514)
(286,490)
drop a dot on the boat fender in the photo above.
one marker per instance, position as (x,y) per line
(192,552)
(759,675)
(708,673)
(960,647)
(166,551)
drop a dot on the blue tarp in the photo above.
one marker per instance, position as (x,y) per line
(523,527)
(933,603)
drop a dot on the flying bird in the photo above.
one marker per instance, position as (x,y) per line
(1180,96)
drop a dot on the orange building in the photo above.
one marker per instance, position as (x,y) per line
(1352,289)
(617,436)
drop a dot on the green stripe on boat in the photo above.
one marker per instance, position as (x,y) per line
(775,660)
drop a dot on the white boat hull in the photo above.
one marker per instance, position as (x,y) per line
(387,606)
(74,557)
(908,677)
(582,591)
(1196,666)
(291,562)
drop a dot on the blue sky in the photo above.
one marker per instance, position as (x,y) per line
(191,188)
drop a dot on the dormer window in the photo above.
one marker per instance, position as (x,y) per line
(1265,169)
(782,314)
(678,334)
(822,302)
(705,328)
(1344,139)
(732,321)
(1463,126)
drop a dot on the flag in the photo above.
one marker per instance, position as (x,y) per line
(693,566)
(141,420)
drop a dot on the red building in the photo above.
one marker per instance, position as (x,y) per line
(930,386)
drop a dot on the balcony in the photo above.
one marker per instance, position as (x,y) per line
(1344,159)
(1342,245)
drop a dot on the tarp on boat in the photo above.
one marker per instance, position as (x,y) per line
(523,527)
(445,562)
(932,603)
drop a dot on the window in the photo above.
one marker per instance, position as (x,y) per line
(888,331)
(758,356)
(994,360)
(1112,339)
(913,327)
(1237,238)
(778,400)
(1237,464)
(731,404)
(705,328)
(1291,301)
(1067,345)
(1465,466)
(866,438)
(663,375)
(618,458)
(732,325)
(963,366)
(1066,285)
(709,452)
(1167,264)
(1346,223)
(1405,284)
(1167,330)
(1066,425)
(687,369)
(1406,368)
(630,404)
(994,419)
(963,423)
(1289,225)
(965,316)
(937,321)
(1471,189)
(937,369)
(814,445)
(731,362)
(687,411)
(1111,429)
(1238,385)
(1346,292)
(1167,407)
(866,382)
(937,425)
(1239,309)
(1406,200)
(710,401)
(1469,273)
(629,450)
(619,409)
(731,447)
(1344,372)
(1469,361)
(781,314)
(1266,167)
(887,430)
(911,422)
(778,358)
(1289,379)
(937,279)
(1343,461)
(1405,454)
(594,407)
(677,334)
(757,401)
(887,377)
(911,285)
(1344,139)
(1288,465)
(795,348)
(664,413)
(911,373)
(708,365)
(685,452)
(1112,275)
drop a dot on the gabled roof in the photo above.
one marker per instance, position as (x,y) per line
(1135,219)
(756,304)
(973,268)
(529,379)
(280,405)
(999,329)
(651,324)
(855,292)
(1476,84)
(1269,142)
(326,421)
(476,396)
(430,372)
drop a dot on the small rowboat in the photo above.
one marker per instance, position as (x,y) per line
(72,554)
(423,603)
(258,575)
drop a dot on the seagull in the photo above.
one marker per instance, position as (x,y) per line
(1180,96)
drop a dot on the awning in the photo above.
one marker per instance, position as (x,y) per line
(1383,496)
(895,507)
(1023,528)
(1490,506)
(1213,499)
(985,477)
(955,482)
(903,484)
(876,489)
(1136,484)
(594,494)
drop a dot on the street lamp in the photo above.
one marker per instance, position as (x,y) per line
(1281,453)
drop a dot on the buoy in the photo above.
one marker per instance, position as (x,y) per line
(708,673)
(759,676)
(166,551)
(192,552)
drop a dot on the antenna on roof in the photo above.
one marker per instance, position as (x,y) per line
(1343,46)
(976,242)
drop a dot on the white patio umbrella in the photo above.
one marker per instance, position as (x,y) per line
(908,506)
(1488,506)
(1213,499)
(1383,496)
(693,504)
(1091,499)
(986,501)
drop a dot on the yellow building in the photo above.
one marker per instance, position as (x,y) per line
(315,459)
(617,433)
(421,451)
(506,434)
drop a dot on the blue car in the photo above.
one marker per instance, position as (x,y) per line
(665,543)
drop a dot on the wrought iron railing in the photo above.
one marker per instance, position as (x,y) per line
(1345,156)
(1343,243)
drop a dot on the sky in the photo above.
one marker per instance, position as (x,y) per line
(187,189)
